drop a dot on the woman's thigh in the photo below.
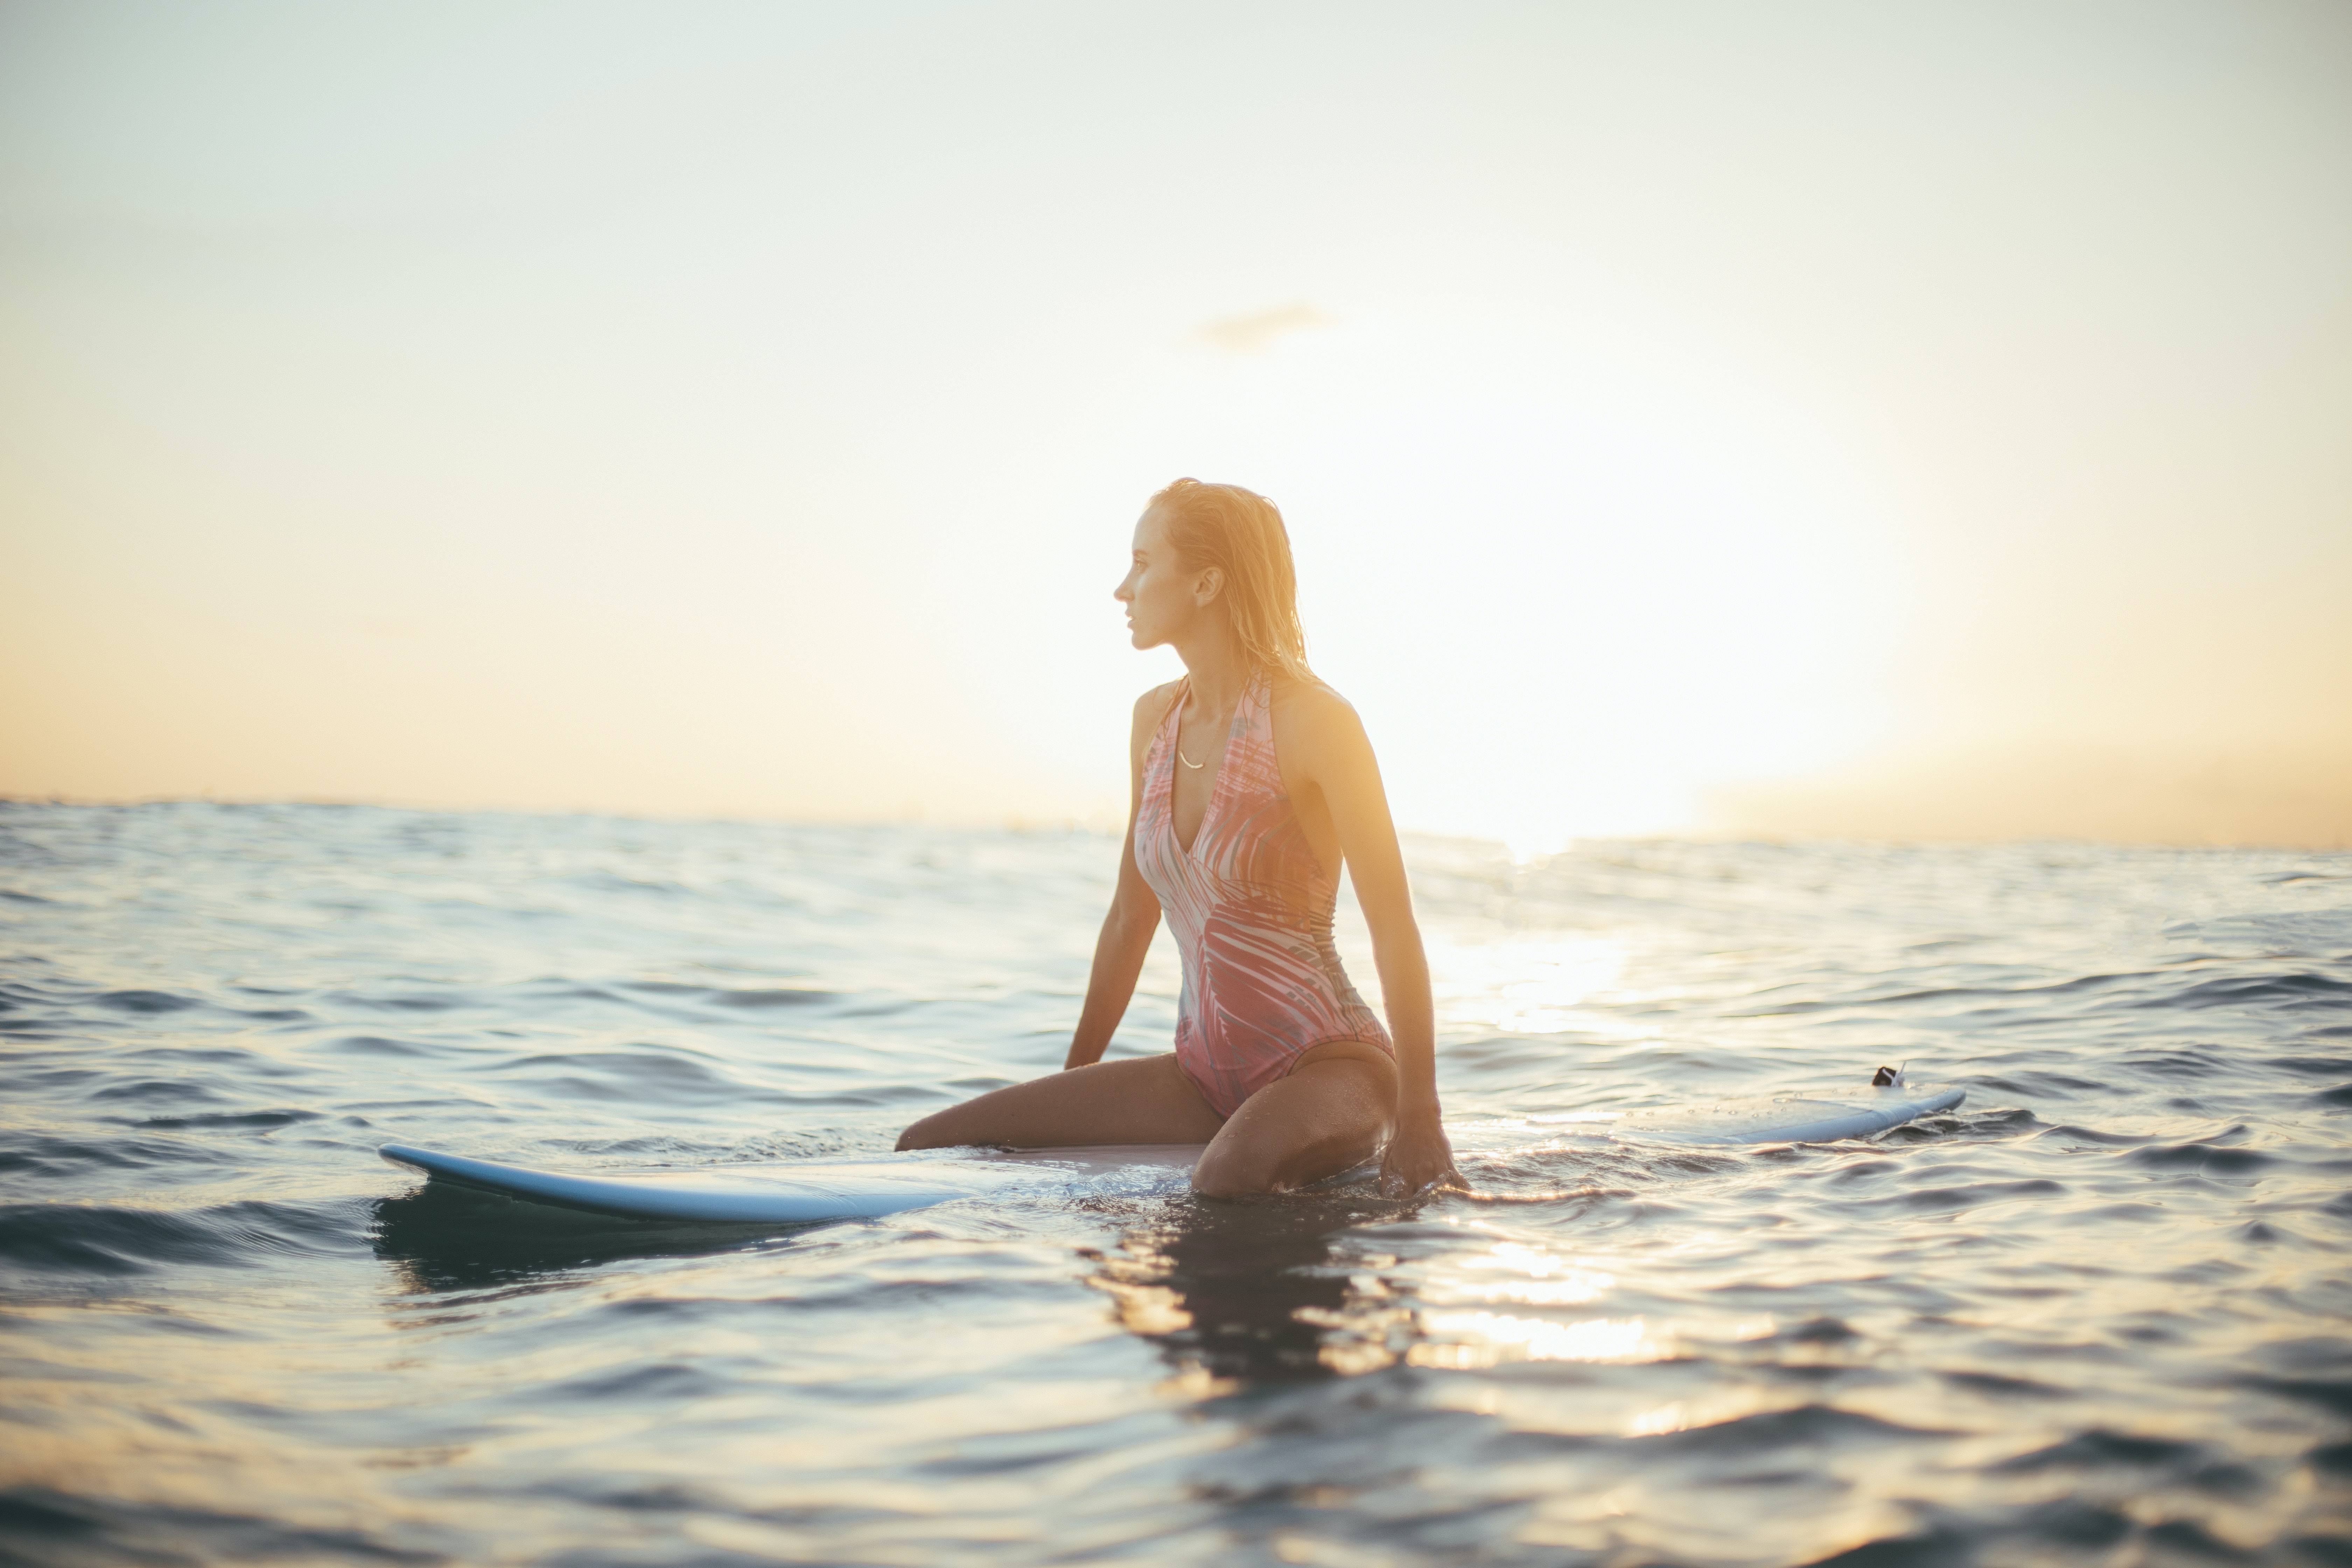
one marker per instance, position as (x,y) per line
(1143,1100)
(1331,1112)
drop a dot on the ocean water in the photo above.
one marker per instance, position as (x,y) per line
(2098,1315)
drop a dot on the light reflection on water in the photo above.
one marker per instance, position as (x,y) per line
(2097,1315)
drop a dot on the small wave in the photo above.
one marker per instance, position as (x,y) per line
(126,1533)
(2334,1395)
(1817,1331)
(378,1045)
(1816,1427)
(232,1118)
(408,1002)
(2069,1526)
(71,1238)
(1999,1385)
(2074,987)
(2078,1132)
(63,1158)
(163,1090)
(614,882)
(2274,934)
(664,1380)
(2177,1063)
(1951,1199)
(651,1076)
(2216,1157)
(2011,1122)
(145,1002)
(2042,1083)
(790,996)
(751,996)
(2097,1450)
(2318,1067)
(2298,989)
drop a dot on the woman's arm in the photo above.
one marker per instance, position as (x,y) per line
(1338,760)
(1134,915)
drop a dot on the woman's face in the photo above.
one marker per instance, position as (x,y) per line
(1161,593)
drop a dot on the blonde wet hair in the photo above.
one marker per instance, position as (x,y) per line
(1240,532)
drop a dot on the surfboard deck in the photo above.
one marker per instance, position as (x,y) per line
(1811,1117)
(805,1192)
(809,1192)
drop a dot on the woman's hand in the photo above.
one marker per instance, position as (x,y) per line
(1418,1160)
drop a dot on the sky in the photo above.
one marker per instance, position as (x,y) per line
(1847,420)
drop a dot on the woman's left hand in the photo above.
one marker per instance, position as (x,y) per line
(1418,1160)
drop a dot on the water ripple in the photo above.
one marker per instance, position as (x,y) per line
(2096,1315)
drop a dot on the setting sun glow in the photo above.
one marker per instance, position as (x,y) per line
(1823,421)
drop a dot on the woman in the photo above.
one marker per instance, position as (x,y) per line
(1250,782)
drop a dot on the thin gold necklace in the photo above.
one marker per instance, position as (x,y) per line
(1180,745)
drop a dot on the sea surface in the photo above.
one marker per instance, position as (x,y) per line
(2098,1315)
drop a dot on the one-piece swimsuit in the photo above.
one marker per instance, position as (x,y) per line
(1250,905)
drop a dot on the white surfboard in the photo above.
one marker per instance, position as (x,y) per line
(806,1192)
(1813,1117)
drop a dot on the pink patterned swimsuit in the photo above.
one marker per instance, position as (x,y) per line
(1251,908)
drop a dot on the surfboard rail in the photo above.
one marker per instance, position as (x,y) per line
(750,1194)
(1816,1118)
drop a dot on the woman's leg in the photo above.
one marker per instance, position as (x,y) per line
(1145,1099)
(1331,1111)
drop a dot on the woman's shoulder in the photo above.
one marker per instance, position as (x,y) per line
(1306,704)
(1152,705)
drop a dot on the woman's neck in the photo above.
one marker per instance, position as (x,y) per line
(1219,669)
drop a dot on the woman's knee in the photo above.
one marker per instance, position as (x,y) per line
(1227,1171)
(933,1132)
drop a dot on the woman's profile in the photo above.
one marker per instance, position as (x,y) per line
(1250,784)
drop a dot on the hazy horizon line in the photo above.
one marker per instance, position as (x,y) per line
(1103,828)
